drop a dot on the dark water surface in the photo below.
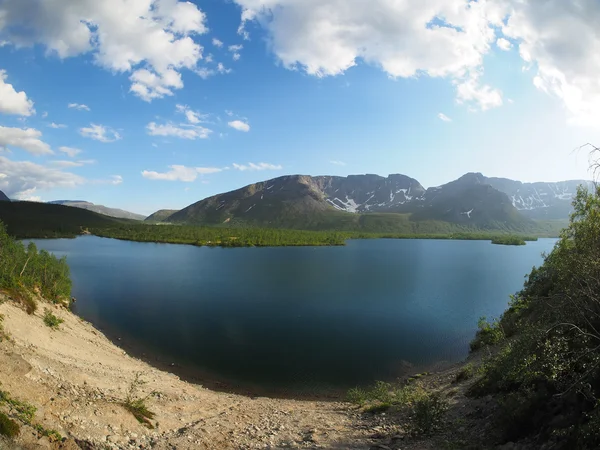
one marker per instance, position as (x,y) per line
(307,319)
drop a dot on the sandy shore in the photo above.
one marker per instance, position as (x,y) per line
(76,377)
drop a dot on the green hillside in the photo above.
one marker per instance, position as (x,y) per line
(42,220)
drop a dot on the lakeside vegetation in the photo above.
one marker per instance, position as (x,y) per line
(544,374)
(26,273)
(262,237)
(511,240)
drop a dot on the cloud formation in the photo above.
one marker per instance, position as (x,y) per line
(180,173)
(443,117)
(442,38)
(57,125)
(11,101)
(20,179)
(100,133)
(69,151)
(183,131)
(27,139)
(257,166)
(79,106)
(337,163)
(142,37)
(239,125)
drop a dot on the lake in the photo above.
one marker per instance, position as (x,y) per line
(295,320)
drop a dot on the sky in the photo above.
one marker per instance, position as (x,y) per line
(151,104)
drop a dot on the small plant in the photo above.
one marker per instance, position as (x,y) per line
(51,320)
(466,373)
(137,405)
(8,427)
(25,411)
(52,435)
(378,408)
(357,396)
(428,412)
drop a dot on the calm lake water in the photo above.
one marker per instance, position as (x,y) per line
(307,319)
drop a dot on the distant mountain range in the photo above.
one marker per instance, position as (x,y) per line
(3,197)
(472,201)
(100,209)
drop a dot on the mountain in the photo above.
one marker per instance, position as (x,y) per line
(160,216)
(100,209)
(299,201)
(540,200)
(39,220)
(469,199)
(3,197)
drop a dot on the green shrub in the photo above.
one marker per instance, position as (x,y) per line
(24,411)
(465,373)
(489,333)
(51,320)
(428,412)
(137,405)
(26,273)
(357,396)
(8,427)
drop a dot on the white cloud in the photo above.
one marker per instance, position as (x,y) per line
(122,35)
(442,38)
(180,173)
(337,163)
(561,40)
(182,131)
(217,43)
(204,72)
(208,58)
(193,117)
(115,180)
(239,125)
(443,117)
(235,48)
(11,101)
(404,37)
(503,44)
(100,133)
(44,115)
(150,85)
(69,151)
(257,166)
(68,163)
(479,97)
(236,56)
(27,139)
(79,106)
(222,69)
(57,125)
(20,179)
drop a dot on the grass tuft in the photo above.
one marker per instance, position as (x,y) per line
(51,320)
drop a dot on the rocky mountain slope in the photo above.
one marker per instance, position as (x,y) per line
(3,197)
(540,200)
(160,215)
(297,199)
(100,209)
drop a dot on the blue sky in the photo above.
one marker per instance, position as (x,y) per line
(149,104)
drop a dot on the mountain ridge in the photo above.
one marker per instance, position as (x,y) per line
(100,209)
(292,200)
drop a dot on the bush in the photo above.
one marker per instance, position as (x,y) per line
(546,377)
(428,412)
(25,272)
(8,427)
(51,320)
(137,405)
(465,373)
(489,333)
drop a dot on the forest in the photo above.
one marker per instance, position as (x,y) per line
(261,237)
